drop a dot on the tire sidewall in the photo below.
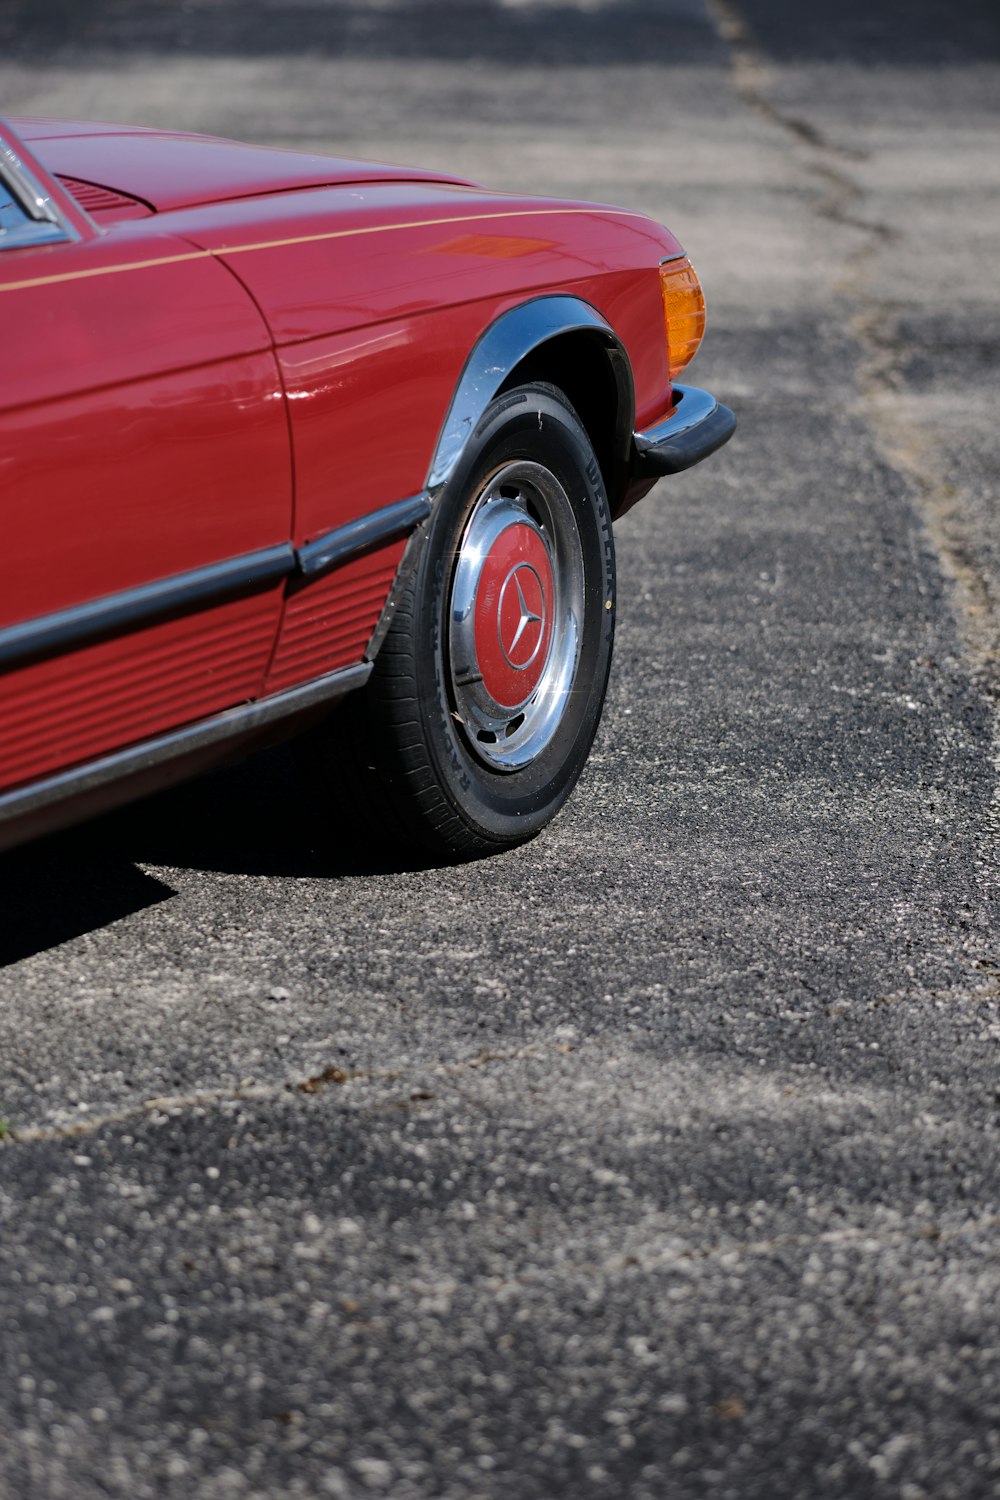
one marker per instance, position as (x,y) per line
(533,423)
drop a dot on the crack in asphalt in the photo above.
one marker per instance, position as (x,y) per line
(750,71)
(751,76)
(903,440)
(892,414)
(673,1257)
(331,1077)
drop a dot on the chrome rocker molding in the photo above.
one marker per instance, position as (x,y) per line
(696,427)
(150,761)
(503,346)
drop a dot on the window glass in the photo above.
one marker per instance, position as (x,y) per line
(21,224)
(12,215)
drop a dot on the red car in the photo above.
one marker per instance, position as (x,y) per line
(276,429)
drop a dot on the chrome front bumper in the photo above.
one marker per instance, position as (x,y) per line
(697,426)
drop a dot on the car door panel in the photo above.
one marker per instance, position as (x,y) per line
(143,440)
(111,489)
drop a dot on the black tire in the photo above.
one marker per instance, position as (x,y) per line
(424,752)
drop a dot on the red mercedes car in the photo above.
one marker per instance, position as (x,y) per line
(296,443)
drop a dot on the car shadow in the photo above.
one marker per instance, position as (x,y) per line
(253,818)
(64,886)
(258,816)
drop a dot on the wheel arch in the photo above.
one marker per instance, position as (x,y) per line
(566,342)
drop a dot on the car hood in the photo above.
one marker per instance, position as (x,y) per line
(168,170)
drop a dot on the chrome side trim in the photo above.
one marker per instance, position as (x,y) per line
(139,759)
(691,407)
(501,348)
(697,426)
(364,535)
(69,629)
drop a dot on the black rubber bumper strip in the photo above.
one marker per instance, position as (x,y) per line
(133,609)
(696,427)
(364,535)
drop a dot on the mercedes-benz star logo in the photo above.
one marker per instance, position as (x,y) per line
(530,611)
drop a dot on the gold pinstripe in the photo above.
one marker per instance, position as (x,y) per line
(302,239)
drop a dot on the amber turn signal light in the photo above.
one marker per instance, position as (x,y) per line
(683,311)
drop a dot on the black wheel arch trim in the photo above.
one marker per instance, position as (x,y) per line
(509,340)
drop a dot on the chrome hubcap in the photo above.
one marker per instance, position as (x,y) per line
(515,615)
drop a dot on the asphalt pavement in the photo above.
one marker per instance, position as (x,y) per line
(658,1158)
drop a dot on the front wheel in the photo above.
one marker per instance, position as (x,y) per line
(488,689)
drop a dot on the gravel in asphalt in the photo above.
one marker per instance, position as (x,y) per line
(657,1158)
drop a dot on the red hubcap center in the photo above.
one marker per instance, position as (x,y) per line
(513,615)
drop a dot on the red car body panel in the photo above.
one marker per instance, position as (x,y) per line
(63,711)
(329,624)
(374,318)
(169,170)
(248,350)
(334,260)
(144,403)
